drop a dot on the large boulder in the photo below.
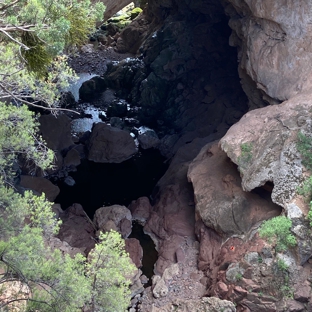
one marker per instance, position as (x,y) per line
(220,200)
(273,39)
(40,185)
(264,146)
(114,217)
(56,131)
(110,145)
(77,229)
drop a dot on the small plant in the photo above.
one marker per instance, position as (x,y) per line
(282,265)
(238,276)
(287,291)
(278,228)
(306,188)
(246,153)
(304,146)
(309,216)
(260,293)
(260,259)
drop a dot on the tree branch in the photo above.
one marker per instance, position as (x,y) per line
(52,109)
(13,39)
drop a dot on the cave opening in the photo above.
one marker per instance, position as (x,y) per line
(189,88)
(105,184)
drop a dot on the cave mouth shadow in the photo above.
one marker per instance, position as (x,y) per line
(105,184)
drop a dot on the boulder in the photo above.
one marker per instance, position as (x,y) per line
(110,145)
(148,139)
(39,185)
(56,131)
(272,135)
(273,38)
(114,217)
(77,229)
(220,200)
(211,304)
(91,88)
(140,210)
(135,251)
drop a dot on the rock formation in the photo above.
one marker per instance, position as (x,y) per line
(229,169)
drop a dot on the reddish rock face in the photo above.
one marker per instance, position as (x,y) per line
(140,210)
(40,185)
(76,229)
(220,200)
(135,251)
(273,38)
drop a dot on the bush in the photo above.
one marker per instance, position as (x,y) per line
(304,146)
(246,154)
(278,229)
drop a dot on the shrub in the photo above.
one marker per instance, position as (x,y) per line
(278,228)
(282,265)
(246,154)
(304,146)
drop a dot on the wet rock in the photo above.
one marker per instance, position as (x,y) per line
(91,88)
(220,201)
(69,181)
(119,215)
(148,139)
(117,108)
(40,185)
(117,122)
(110,145)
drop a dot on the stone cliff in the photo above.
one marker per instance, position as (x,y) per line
(226,87)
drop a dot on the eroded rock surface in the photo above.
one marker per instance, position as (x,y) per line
(220,201)
(274,45)
(116,217)
(271,135)
(77,229)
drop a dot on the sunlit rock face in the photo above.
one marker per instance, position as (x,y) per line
(274,45)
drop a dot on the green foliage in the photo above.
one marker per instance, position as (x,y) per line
(309,216)
(135,12)
(282,265)
(304,146)
(306,188)
(108,269)
(33,34)
(278,228)
(18,136)
(238,276)
(246,154)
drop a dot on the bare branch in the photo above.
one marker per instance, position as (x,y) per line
(52,109)
(5,7)
(13,39)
